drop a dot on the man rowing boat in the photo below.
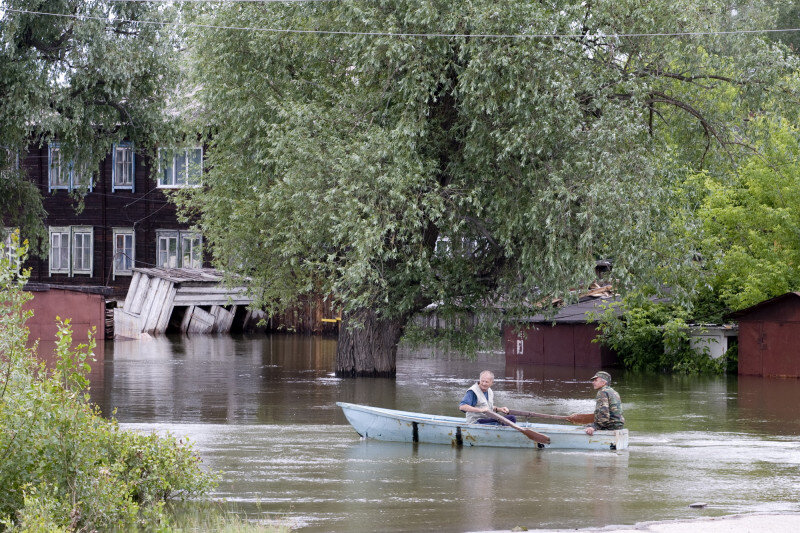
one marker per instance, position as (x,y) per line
(608,407)
(479,400)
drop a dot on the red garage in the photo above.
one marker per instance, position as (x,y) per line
(84,306)
(769,337)
(565,339)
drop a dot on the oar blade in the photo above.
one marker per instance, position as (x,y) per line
(541,438)
(578,418)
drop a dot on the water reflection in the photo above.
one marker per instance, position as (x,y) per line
(262,411)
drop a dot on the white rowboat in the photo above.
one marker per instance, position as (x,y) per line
(404,426)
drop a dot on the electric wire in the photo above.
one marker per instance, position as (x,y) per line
(407,34)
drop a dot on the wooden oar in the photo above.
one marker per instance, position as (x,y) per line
(536,437)
(576,418)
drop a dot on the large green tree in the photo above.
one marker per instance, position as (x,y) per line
(751,221)
(84,73)
(394,154)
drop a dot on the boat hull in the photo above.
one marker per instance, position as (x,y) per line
(404,426)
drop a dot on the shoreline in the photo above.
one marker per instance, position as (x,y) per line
(751,523)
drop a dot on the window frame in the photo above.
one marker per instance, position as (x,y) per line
(74,233)
(115,186)
(61,231)
(182,153)
(127,232)
(73,177)
(71,232)
(195,240)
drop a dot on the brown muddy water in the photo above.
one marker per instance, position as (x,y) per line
(261,410)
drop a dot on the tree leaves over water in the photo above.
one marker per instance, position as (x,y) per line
(85,74)
(393,172)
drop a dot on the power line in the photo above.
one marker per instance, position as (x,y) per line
(402,34)
(217,1)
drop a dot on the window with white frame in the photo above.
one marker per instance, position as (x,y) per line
(123,166)
(64,174)
(179,249)
(82,248)
(59,250)
(124,251)
(9,246)
(180,168)
(71,250)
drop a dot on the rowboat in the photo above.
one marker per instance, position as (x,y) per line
(404,426)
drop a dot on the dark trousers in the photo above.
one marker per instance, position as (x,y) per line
(511,418)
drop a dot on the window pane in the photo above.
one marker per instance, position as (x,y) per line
(180,169)
(167,165)
(195,157)
(162,252)
(79,178)
(77,258)
(173,252)
(63,251)
(119,251)
(128,247)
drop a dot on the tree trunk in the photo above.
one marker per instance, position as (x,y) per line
(367,345)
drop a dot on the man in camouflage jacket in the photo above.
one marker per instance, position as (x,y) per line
(608,409)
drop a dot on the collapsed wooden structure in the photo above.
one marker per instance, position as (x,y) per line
(182,300)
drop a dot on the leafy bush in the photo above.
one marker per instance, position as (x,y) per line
(63,467)
(654,336)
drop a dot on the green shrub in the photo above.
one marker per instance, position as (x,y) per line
(63,467)
(654,336)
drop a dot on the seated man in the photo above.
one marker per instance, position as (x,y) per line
(608,407)
(479,399)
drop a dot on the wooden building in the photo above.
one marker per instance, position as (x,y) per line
(769,337)
(565,339)
(102,232)
(126,220)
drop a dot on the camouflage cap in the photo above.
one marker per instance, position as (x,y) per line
(602,375)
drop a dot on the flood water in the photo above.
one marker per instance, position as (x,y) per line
(261,410)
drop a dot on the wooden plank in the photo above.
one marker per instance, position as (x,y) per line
(142,289)
(126,325)
(131,291)
(151,305)
(221,299)
(202,321)
(159,300)
(210,289)
(223,319)
(187,317)
(166,310)
(229,321)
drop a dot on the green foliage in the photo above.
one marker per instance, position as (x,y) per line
(87,76)
(751,219)
(63,467)
(393,172)
(653,336)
